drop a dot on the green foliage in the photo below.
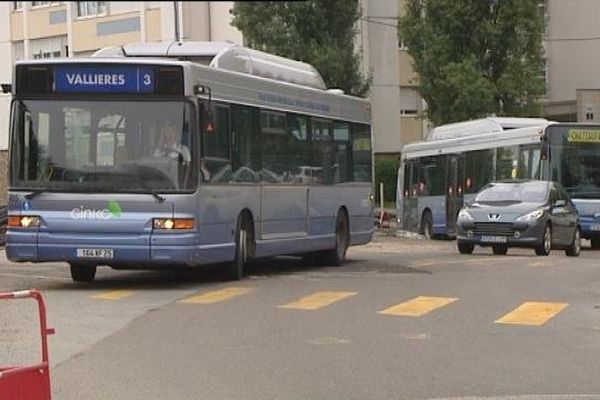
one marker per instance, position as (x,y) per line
(386,171)
(319,32)
(476,57)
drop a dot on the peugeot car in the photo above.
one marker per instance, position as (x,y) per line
(520,213)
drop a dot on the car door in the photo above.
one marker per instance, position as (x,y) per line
(558,212)
(571,217)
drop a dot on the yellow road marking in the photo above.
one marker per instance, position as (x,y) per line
(114,295)
(418,306)
(318,300)
(216,296)
(532,313)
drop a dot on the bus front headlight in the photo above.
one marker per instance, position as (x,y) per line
(23,221)
(173,223)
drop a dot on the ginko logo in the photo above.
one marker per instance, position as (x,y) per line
(112,210)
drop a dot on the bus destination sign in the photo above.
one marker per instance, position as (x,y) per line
(583,136)
(113,79)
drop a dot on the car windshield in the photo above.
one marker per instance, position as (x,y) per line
(522,192)
(116,146)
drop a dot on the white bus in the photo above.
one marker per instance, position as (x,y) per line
(438,175)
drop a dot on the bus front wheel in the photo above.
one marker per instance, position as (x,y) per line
(82,272)
(243,233)
(427,226)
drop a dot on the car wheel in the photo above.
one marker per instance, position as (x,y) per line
(546,245)
(595,243)
(465,248)
(427,226)
(500,250)
(575,248)
(83,272)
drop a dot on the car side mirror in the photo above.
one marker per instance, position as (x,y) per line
(560,203)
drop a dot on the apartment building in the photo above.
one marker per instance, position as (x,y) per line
(572,46)
(397,108)
(52,29)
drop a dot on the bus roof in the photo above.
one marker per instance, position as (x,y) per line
(482,126)
(529,134)
(239,87)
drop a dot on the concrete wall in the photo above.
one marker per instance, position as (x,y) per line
(88,34)
(573,47)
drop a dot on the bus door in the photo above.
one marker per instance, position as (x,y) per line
(454,191)
(410,203)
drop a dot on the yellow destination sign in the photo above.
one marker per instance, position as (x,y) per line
(583,136)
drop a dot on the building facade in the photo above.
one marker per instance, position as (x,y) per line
(572,46)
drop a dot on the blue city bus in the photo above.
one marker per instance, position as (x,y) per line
(157,159)
(572,152)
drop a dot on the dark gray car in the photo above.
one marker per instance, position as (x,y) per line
(520,213)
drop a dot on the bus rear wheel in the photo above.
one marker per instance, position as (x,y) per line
(595,243)
(82,272)
(337,255)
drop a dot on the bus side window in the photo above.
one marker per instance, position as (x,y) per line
(216,164)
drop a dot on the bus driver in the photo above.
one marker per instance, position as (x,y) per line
(170,146)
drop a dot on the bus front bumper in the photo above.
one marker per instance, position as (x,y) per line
(134,251)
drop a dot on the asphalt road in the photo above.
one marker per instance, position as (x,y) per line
(404,319)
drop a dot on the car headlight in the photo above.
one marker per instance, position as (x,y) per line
(464,214)
(532,216)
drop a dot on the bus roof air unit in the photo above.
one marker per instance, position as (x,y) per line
(225,56)
(482,126)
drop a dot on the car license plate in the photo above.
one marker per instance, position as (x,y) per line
(493,239)
(95,253)
(595,227)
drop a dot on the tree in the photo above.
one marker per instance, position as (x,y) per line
(476,57)
(319,32)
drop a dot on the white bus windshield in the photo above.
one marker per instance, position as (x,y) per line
(104,146)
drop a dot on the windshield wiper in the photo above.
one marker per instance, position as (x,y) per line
(157,196)
(35,193)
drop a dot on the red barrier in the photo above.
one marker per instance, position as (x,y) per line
(30,382)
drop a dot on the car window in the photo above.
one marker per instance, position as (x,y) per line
(534,192)
(553,194)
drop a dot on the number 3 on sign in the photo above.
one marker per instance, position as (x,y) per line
(147,79)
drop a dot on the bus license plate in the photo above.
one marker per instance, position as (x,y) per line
(493,239)
(595,227)
(95,253)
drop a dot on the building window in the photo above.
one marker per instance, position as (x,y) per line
(43,3)
(54,47)
(17,5)
(91,8)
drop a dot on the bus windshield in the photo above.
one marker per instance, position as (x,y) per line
(103,146)
(575,161)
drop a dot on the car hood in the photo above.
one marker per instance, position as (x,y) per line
(500,211)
